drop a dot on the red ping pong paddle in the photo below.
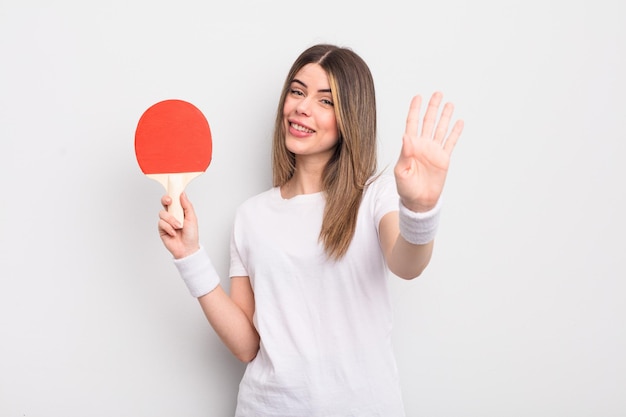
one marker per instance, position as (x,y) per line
(173,145)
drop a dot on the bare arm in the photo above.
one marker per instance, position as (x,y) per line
(230,316)
(403,258)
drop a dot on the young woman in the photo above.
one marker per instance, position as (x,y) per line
(309,307)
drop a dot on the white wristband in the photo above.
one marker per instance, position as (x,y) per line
(419,228)
(198,273)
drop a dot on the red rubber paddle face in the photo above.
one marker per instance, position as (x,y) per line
(173,136)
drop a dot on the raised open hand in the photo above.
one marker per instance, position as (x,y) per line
(425,156)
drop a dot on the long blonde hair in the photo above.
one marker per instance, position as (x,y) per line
(354,159)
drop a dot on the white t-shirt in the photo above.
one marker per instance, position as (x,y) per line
(325,326)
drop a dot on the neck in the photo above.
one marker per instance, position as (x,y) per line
(307,177)
(303,182)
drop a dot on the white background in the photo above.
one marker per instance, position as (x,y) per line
(521,312)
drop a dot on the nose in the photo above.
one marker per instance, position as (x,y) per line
(304,106)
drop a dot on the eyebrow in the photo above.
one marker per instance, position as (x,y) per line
(325,90)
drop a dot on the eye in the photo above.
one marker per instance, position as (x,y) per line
(295,92)
(327,102)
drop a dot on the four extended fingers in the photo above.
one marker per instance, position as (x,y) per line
(432,128)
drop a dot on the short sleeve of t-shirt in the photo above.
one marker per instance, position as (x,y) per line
(237,264)
(383,195)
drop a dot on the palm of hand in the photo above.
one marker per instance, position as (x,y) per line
(423,164)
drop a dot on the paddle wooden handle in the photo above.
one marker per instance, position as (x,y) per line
(175,188)
(175,184)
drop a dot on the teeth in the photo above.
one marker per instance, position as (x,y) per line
(301,128)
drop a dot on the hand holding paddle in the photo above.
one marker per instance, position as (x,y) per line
(173,145)
(180,242)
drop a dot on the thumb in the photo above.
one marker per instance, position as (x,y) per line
(188,209)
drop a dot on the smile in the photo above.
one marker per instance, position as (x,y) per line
(301,128)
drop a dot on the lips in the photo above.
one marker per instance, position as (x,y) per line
(300,128)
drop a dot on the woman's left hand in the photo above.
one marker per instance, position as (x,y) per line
(425,156)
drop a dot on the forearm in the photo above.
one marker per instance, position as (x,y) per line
(228,318)
(407,240)
(231,324)
(407,260)
(414,245)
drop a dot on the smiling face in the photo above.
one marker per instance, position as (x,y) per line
(309,115)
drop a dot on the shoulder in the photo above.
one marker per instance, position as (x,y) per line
(264,196)
(381,184)
(258,203)
(380,196)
